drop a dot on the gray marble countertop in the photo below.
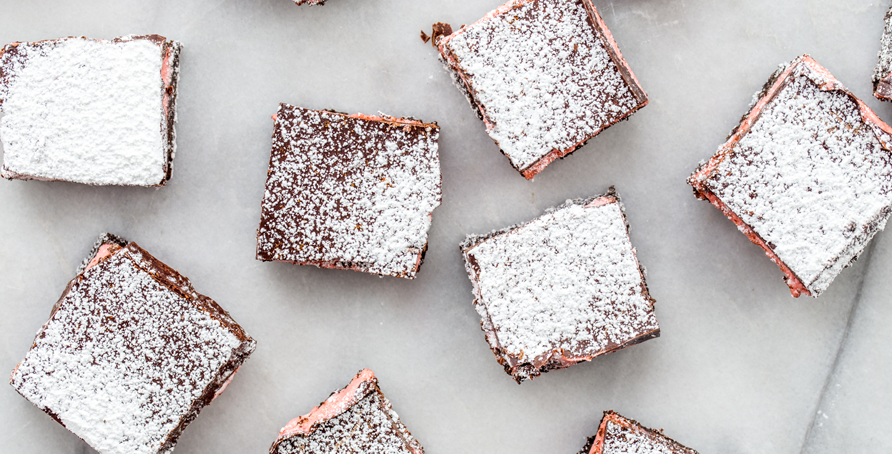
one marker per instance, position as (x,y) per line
(741,367)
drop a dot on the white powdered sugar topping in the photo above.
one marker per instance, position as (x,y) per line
(370,426)
(542,77)
(86,111)
(123,359)
(810,177)
(566,282)
(623,440)
(351,193)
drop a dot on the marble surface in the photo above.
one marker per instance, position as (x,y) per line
(741,367)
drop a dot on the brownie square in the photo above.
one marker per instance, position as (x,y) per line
(618,435)
(90,111)
(349,191)
(131,353)
(807,175)
(357,419)
(561,289)
(882,75)
(545,76)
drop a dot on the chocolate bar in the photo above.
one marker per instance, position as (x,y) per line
(90,111)
(561,289)
(807,175)
(349,191)
(356,419)
(545,76)
(130,353)
(618,435)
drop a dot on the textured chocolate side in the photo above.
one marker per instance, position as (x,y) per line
(174,48)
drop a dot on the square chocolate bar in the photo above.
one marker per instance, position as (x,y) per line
(349,191)
(561,289)
(618,435)
(545,76)
(807,175)
(356,419)
(90,111)
(131,353)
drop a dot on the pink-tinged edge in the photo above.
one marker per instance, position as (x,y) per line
(336,404)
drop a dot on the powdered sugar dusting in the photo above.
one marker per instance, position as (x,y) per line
(562,288)
(542,76)
(123,358)
(349,192)
(87,111)
(810,177)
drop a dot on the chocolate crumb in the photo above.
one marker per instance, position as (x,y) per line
(424,36)
(439,30)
